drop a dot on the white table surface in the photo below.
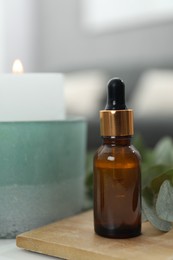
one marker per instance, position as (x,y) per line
(9,251)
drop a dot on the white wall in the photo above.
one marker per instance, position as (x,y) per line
(48,36)
(2,38)
(66,46)
(19,24)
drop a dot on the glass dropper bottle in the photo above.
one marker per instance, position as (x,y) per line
(117,175)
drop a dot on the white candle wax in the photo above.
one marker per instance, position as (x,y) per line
(31,97)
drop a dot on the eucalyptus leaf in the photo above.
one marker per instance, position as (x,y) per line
(163,151)
(138,142)
(148,158)
(152,172)
(148,206)
(157,182)
(164,203)
(145,152)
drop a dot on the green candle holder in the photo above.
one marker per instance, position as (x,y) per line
(42,171)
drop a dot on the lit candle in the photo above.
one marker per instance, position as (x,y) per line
(31,96)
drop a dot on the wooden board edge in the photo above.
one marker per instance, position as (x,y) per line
(61,251)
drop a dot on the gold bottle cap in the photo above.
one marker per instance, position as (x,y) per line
(116,122)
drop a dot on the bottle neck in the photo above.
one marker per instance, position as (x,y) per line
(117,140)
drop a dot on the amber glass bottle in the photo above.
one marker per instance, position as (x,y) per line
(117,178)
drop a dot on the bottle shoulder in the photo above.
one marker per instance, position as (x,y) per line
(126,150)
(112,156)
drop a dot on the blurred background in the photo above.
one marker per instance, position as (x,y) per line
(91,41)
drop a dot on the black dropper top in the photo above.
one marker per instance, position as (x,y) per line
(116,95)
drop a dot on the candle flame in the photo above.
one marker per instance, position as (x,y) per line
(17,67)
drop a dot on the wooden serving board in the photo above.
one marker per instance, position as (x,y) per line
(74,238)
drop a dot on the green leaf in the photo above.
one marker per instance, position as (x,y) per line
(148,202)
(139,144)
(163,151)
(164,203)
(157,182)
(148,158)
(145,152)
(151,173)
